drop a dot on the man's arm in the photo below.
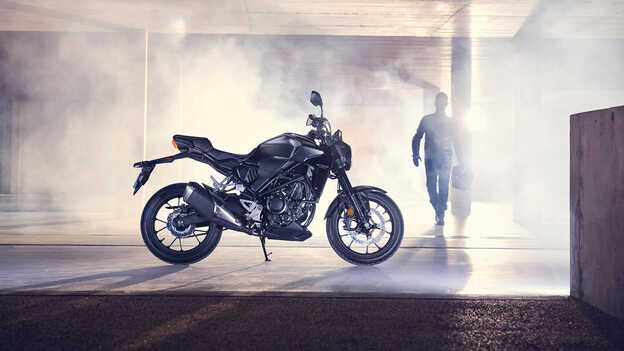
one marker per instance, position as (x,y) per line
(416,142)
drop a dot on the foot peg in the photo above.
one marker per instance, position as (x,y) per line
(266,255)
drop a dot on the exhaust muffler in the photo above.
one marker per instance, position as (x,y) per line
(204,202)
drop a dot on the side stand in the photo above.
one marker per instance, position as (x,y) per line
(266,255)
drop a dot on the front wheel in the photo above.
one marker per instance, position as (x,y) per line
(366,246)
(165,238)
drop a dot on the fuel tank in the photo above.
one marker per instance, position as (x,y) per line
(280,154)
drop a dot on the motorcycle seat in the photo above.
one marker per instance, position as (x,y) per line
(187,141)
(204,144)
(223,155)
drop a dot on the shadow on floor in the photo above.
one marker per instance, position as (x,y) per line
(446,271)
(132,277)
(41,223)
(220,275)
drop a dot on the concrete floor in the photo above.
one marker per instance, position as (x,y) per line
(97,253)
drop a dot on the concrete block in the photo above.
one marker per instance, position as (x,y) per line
(597,209)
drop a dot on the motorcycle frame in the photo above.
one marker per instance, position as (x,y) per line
(345,187)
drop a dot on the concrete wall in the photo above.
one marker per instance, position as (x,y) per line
(597,209)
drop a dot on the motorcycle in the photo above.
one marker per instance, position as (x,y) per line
(270,193)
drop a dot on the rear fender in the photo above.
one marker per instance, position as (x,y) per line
(148,166)
(146,171)
(357,189)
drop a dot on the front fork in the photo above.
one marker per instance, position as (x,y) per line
(361,214)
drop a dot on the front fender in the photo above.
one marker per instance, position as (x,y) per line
(356,189)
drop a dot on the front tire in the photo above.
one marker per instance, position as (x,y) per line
(382,242)
(167,245)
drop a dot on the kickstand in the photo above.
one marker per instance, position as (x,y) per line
(266,255)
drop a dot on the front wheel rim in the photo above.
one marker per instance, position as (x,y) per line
(358,242)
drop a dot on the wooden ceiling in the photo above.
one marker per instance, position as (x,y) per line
(419,18)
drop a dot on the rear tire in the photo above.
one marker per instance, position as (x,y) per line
(382,252)
(158,247)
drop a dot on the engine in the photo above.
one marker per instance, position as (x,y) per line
(290,203)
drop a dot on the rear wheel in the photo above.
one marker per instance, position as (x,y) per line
(361,246)
(169,241)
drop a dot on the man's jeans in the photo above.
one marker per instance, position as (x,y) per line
(438,173)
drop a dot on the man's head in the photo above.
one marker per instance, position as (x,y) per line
(441,101)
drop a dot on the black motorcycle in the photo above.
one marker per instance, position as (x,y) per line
(270,193)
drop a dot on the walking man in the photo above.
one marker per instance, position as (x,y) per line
(440,133)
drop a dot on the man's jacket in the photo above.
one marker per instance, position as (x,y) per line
(441,134)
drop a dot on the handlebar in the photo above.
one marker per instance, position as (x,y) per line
(322,128)
(316,122)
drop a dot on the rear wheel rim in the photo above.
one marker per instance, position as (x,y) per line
(165,239)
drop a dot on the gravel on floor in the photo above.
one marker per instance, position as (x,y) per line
(309,323)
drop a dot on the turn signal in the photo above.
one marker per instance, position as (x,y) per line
(174,144)
(350,212)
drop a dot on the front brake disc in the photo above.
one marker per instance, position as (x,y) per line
(354,233)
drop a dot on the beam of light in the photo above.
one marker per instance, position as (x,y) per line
(145,70)
(145,81)
(475,119)
(179,26)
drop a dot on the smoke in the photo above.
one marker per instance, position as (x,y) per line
(79,115)
(74,114)
(240,91)
(78,110)
(526,88)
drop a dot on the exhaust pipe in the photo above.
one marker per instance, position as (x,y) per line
(203,201)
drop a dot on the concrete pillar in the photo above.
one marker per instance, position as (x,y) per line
(597,208)
(6,153)
(461,76)
(16,146)
(461,96)
(461,93)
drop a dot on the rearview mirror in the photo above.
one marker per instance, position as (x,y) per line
(315,99)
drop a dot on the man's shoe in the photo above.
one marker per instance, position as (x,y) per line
(439,219)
